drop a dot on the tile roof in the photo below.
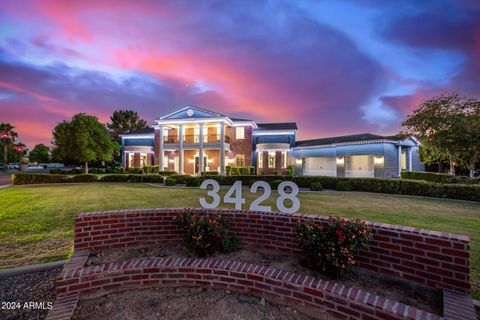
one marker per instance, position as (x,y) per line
(344,139)
(148,130)
(277,126)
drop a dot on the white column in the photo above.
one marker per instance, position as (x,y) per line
(410,159)
(222,149)
(399,161)
(200,150)
(161,151)
(180,149)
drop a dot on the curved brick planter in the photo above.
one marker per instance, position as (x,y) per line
(429,258)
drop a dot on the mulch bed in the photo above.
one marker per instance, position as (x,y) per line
(426,299)
(26,288)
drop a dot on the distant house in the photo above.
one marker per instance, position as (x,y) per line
(176,141)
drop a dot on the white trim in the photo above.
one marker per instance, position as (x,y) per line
(191,107)
(272,132)
(193,120)
(138,136)
(243,123)
(345,144)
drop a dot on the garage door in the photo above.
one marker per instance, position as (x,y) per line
(321,166)
(360,167)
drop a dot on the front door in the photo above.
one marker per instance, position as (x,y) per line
(197,164)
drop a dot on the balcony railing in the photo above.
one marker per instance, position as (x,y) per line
(211,138)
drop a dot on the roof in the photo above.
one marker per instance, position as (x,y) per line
(277,126)
(345,139)
(148,130)
(238,119)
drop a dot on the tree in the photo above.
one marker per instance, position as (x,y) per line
(431,156)
(7,138)
(83,139)
(40,153)
(124,121)
(437,123)
(469,135)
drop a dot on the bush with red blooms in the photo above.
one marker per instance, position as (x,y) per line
(206,234)
(330,249)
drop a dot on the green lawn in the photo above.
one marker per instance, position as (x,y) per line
(36,222)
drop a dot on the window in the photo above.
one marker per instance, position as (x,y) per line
(240,158)
(283,161)
(240,132)
(404,160)
(271,159)
(143,160)
(131,160)
(260,159)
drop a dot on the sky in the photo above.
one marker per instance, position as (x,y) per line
(334,67)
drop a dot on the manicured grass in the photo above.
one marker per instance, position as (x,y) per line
(36,222)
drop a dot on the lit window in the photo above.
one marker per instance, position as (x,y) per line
(143,160)
(240,159)
(271,159)
(284,159)
(404,161)
(131,160)
(240,132)
(260,159)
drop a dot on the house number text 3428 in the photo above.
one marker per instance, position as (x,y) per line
(287,190)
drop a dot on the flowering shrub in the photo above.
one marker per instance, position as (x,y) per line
(206,234)
(331,249)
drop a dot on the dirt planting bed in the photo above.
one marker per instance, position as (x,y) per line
(426,299)
(181,303)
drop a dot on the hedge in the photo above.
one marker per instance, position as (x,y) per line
(439,177)
(152,178)
(34,178)
(84,178)
(167,173)
(151,169)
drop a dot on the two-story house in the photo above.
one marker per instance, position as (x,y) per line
(176,141)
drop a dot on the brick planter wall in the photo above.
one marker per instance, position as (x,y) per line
(434,259)
(307,294)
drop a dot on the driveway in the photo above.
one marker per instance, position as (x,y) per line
(5,179)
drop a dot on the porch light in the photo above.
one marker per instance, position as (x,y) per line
(340,160)
(378,160)
(298,161)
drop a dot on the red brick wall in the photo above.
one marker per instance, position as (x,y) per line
(241,146)
(430,258)
(308,294)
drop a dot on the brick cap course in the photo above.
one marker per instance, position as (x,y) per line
(306,293)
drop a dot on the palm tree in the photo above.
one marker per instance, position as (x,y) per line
(7,136)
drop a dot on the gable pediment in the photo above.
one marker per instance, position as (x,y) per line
(191,112)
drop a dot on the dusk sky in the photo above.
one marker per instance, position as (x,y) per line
(334,67)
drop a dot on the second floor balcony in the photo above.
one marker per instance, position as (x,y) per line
(210,138)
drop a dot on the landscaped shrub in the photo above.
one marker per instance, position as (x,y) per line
(115,170)
(181,179)
(289,171)
(210,173)
(166,173)
(251,170)
(316,186)
(193,182)
(227,170)
(439,177)
(84,178)
(206,234)
(274,184)
(343,186)
(151,169)
(234,171)
(331,249)
(34,178)
(72,171)
(170,181)
(152,178)
(135,171)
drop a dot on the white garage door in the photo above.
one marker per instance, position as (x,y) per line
(321,166)
(361,167)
